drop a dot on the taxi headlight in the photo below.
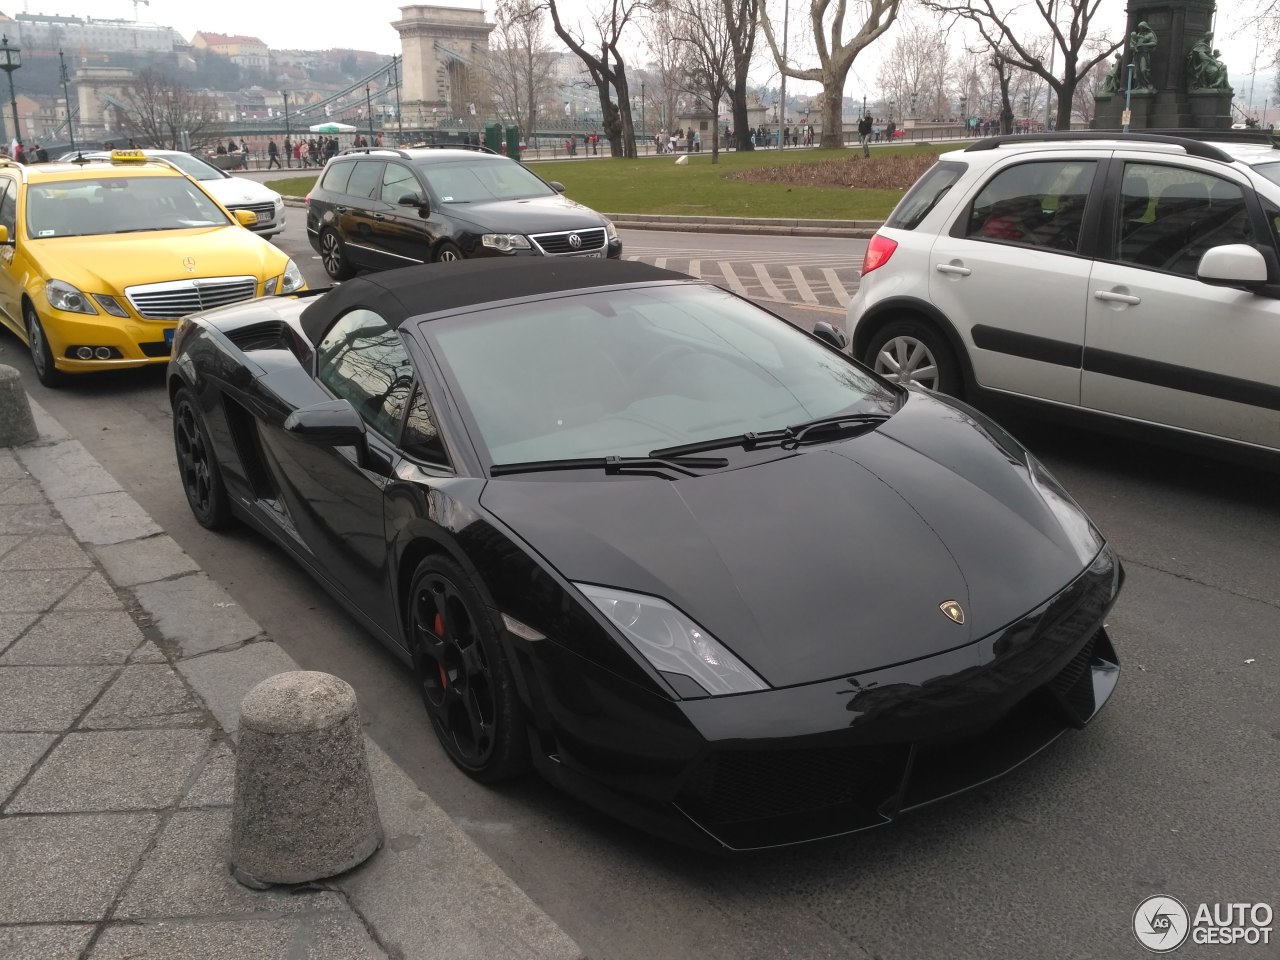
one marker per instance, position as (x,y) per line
(506,242)
(110,305)
(292,279)
(63,296)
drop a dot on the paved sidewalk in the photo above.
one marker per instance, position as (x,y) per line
(121,671)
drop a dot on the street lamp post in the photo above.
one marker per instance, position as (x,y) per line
(395,81)
(644,128)
(66,97)
(1128,91)
(368,106)
(11,60)
(288,150)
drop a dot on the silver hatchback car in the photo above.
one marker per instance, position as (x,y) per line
(1131,276)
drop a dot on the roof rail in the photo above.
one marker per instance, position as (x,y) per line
(392,150)
(1193,147)
(479,148)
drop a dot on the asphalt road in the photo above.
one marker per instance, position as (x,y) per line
(1173,790)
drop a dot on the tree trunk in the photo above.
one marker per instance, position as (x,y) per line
(1066,97)
(741,125)
(832,116)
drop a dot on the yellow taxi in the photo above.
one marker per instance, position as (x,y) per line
(99,260)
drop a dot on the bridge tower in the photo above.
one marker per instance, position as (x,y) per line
(444,52)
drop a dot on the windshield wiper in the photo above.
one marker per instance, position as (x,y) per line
(657,466)
(792,435)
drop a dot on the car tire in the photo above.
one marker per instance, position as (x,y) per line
(334,257)
(41,354)
(198,464)
(913,352)
(447,253)
(463,674)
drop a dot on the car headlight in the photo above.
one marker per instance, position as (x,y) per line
(610,231)
(292,279)
(506,242)
(671,642)
(279,201)
(63,296)
(110,305)
(1075,523)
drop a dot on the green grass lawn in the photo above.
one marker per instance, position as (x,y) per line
(658,185)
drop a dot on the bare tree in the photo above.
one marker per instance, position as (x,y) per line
(1085,105)
(720,38)
(520,63)
(669,71)
(742,22)
(913,75)
(606,65)
(835,57)
(1075,51)
(159,111)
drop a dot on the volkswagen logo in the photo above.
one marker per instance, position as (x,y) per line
(190,264)
(953,610)
(575,241)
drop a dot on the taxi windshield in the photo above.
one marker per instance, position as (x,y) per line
(102,205)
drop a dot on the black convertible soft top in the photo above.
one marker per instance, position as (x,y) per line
(397,295)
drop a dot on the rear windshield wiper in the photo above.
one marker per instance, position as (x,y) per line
(657,466)
(792,435)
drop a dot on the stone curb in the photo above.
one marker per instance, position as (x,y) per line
(431,892)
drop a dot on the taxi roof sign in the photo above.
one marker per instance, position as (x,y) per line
(128,156)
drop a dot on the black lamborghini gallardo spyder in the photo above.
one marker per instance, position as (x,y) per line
(691,563)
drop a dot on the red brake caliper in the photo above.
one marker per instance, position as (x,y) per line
(438,626)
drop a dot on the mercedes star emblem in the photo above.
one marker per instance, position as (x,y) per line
(190,264)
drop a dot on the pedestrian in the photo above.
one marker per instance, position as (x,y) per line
(19,153)
(889,131)
(273,154)
(288,151)
(42,155)
(864,134)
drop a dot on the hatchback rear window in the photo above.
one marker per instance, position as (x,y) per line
(925,195)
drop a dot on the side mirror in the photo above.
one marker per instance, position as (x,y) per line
(246,218)
(331,423)
(830,334)
(557,186)
(414,200)
(1233,265)
(5,239)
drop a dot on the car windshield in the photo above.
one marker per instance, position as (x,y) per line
(628,372)
(1269,170)
(483,181)
(194,166)
(101,205)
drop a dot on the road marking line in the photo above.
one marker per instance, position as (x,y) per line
(770,288)
(732,278)
(660,262)
(837,288)
(802,286)
(695,269)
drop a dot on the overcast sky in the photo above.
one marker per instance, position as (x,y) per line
(367,26)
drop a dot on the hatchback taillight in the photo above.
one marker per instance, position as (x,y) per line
(879,250)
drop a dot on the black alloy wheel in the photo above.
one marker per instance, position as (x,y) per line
(41,353)
(334,257)
(463,674)
(448,253)
(197,464)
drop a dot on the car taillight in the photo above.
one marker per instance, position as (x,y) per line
(879,250)
(306,201)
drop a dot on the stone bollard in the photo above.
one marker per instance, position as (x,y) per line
(304,802)
(16,425)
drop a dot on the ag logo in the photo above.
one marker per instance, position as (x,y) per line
(1161,923)
(190,264)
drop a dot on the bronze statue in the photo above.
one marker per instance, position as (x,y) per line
(1141,42)
(1111,82)
(1204,70)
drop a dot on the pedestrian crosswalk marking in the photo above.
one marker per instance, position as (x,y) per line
(695,269)
(820,283)
(731,278)
(837,288)
(770,288)
(802,286)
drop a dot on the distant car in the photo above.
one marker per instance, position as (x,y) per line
(234,193)
(99,260)
(1124,277)
(693,564)
(376,208)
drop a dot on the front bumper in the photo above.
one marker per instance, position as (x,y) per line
(819,760)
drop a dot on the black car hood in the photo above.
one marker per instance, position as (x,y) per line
(824,563)
(534,215)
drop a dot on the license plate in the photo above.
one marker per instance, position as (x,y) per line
(595,253)
(168,337)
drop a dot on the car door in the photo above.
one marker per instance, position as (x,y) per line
(362,213)
(1162,346)
(404,235)
(10,280)
(1012,275)
(336,503)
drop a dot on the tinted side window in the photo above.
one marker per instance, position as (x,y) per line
(421,438)
(362,360)
(1169,216)
(335,178)
(397,180)
(1038,204)
(365,178)
(925,194)
(9,205)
